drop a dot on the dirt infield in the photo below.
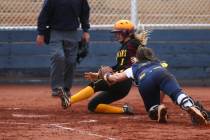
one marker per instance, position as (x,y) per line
(29,112)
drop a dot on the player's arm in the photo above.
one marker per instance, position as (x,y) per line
(43,23)
(92,76)
(118,77)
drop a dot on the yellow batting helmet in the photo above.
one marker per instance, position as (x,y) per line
(125,26)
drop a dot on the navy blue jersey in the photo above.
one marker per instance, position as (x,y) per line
(141,69)
(152,78)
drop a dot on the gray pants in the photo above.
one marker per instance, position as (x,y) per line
(64,47)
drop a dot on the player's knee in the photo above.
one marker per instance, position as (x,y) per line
(91,84)
(99,85)
(92,106)
(153,112)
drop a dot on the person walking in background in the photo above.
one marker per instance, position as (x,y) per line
(58,24)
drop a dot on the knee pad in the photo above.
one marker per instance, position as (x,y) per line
(153,112)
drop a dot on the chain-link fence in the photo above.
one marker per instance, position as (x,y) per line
(23,13)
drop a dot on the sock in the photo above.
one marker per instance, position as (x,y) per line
(184,100)
(104,108)
(82,94)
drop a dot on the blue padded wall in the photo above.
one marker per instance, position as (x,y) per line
(186,51)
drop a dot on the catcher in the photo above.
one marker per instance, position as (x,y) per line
(152,78)
(125,34)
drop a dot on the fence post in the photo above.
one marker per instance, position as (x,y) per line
(134,12)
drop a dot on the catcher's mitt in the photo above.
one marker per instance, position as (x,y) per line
(82,50)
(103,70)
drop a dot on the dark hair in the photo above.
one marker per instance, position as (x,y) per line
(145,54)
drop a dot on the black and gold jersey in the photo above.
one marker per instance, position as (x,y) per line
(125,53)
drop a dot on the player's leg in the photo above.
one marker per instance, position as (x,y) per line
(98,106)
(89,90)
(57,66)
(162,96)
(150,94)
(171,87)
(70,51)
(100,103)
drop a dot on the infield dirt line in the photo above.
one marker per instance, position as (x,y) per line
(82,132)
(59,125)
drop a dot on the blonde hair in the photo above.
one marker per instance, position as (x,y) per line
(142,37)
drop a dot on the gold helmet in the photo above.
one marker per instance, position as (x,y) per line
(124,26)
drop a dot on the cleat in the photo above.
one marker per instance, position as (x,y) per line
(67,90)
(162,114)
(65,100)
(197,116)
(206,113)
(54,94)
(128,109)
(153,112)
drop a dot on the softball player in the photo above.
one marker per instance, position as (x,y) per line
(152,78)
(124,32)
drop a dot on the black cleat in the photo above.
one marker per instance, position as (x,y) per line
(65,99)
(128,109)
(206,113)
(162,114)
(55,94)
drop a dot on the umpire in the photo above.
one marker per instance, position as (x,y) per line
(58,22)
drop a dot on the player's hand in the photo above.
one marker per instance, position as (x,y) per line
(103,70)
(40,40)
(134,60)
(91,76)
